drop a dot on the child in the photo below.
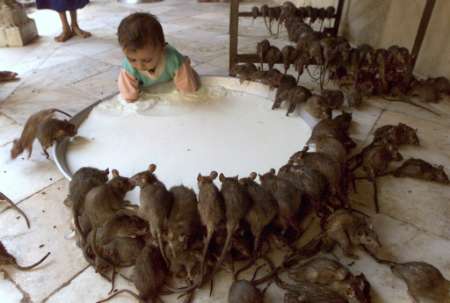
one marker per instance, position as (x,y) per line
(149,59)
(61,6)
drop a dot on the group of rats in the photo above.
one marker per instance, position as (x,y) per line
(177,234)
(359,71)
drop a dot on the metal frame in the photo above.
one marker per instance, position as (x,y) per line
(235,57)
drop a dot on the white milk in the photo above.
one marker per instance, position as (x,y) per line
(215,129)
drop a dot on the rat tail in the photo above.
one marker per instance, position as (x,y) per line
(33,265)
(55,110)
(13,205)
(122,291)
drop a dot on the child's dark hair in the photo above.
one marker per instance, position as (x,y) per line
(140,29)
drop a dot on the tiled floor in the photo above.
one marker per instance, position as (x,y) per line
(414,223)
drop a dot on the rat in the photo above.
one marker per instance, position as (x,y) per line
(83,180)
(261,50)
(4,198)
(29,132)
(317,107)
(149,276)
(400,134)
(296,96)
(237,202)
(287,82)
(103,201)
(263,211)
(354,97)
(245,71)
(7,259)
(184,220)
(375,161)
(273,56)
(313,185)
(243,291)
(422,170)
(334,98)
(210,208)
(324,164)
(319,270)
(329,146)
(52,130)
(336,128)
(310,293)
(287,196)
(424,281)
(289,55)
(156,202)
(347,229)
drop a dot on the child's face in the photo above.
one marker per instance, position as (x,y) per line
(146,58)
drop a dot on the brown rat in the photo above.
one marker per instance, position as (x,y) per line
(52,130)
(296,96)
(329,146)
(319,270)
(245,71)
(211,209)
(273,56)
(375,161)
(425,282)
(317,106)
(29,132)
(334,98)
(149,275)
(263,211)
(155,203)
(336,128)
(237,203)
(288,197)
(4,198)
(243,291)
(103,201)
(398,135)
(7,259)
(419,169)
(289,55)
(306,292)
(261,49)
(347,229)
(183,223)
(287,82)
(324,164)
(83,180)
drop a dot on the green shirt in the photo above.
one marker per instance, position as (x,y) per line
(174,60)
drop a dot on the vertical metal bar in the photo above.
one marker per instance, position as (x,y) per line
(234,25)
(426,16)
(337,20)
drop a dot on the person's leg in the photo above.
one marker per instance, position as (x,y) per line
(76,28)
(67,32)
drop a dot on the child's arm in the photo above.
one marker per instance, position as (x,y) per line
(128,86)
(186,78)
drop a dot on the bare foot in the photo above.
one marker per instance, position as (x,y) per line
(8,76)
(64,36)
(81,33)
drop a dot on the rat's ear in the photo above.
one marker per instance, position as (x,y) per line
(253,175)
(152,168)
(272,170)
(213,175)
(199,178)
(115,173)
(106,171)
(221,177)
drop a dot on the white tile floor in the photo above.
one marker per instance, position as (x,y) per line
(414,223)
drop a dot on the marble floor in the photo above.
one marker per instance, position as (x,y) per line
(414,223)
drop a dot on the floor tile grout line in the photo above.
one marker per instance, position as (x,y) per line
(33,194)
(64,284)
(421,229)
(26,296)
